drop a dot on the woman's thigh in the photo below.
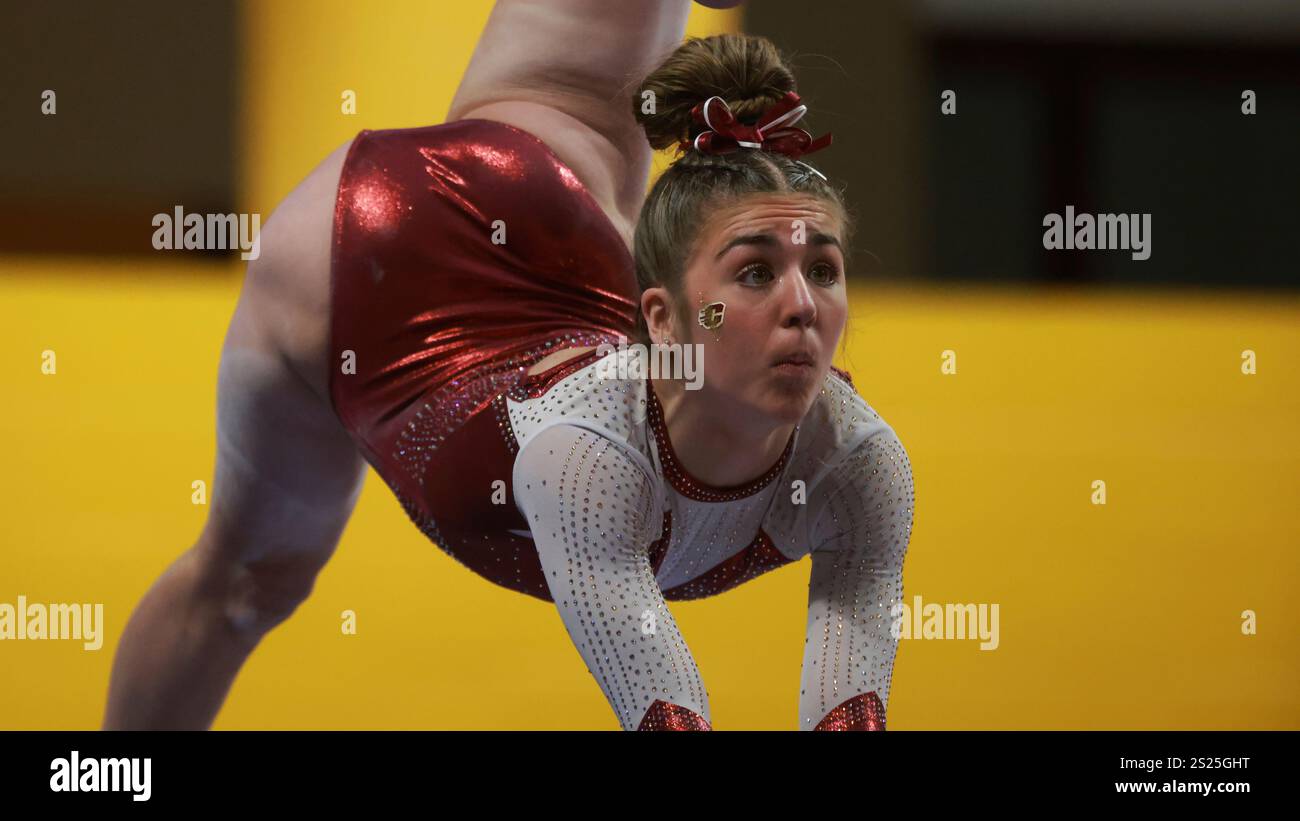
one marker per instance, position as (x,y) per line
(287,473)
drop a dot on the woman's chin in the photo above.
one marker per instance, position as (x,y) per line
(790,398)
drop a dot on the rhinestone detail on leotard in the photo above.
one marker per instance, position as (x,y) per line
(686,484)
(663,715)
(864,529)
(862,712)
(443,412)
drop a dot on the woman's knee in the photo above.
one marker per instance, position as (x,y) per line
(256,595)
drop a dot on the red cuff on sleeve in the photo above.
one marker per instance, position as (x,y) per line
(862,712)
(665,716)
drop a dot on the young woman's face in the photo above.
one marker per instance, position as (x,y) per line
(776,263)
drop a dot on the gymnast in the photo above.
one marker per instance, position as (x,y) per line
(446,304)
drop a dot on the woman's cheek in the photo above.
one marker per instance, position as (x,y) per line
(837,311)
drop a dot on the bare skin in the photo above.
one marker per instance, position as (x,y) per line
(287,474)
(558,358)
(784,300)
(287,478)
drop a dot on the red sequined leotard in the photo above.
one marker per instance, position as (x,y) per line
(466,252)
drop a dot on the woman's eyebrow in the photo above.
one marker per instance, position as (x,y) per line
(769,240)
(748,239)
(827,239)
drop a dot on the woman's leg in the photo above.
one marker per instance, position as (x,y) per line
(266,538)
(287,479)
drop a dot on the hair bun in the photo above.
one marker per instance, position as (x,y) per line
(745,70)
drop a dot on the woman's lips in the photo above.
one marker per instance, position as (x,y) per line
(794,366)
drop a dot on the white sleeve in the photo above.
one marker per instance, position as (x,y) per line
(859,538)
(593,512)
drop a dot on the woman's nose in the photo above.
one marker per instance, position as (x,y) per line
(798,307)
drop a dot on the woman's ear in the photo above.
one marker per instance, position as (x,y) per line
(657,307)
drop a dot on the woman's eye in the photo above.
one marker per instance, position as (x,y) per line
(824,274)
(756,275)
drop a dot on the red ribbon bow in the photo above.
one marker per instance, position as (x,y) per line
(774,131)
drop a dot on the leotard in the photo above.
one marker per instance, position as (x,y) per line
(463,254)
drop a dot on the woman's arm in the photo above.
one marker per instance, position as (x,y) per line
(566,71)
(859,539)
(592,511)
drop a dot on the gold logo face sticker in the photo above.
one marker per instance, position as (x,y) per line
(711,315)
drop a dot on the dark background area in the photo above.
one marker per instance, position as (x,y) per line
(1111,108)
(163,73)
